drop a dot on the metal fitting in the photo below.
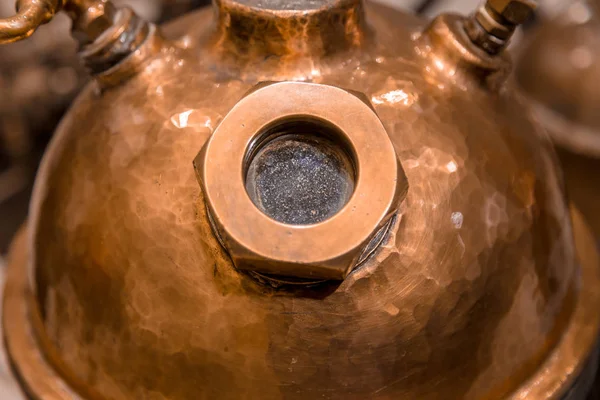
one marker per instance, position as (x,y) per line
(120,39)
(514,12)
(281,198)
(494,23)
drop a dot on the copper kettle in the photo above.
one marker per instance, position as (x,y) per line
(299,200)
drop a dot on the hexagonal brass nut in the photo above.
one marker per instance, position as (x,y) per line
(515,12)
(325,250)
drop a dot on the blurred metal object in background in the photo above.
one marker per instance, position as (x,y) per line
(38,79)
(558,72)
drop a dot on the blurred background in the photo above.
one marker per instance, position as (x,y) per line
(39,78)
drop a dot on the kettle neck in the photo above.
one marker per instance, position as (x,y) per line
(259,29)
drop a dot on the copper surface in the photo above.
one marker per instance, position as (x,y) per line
(474,291)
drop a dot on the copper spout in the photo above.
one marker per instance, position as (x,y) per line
(467,48)
(255,36)
(276,28)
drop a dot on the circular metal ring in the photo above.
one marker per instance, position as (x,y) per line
(326,249)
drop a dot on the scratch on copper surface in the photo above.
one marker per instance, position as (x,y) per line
(395,382)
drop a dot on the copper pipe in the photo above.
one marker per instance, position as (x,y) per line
(30,15)
(106,34)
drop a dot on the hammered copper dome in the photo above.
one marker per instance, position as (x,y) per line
(469,284)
